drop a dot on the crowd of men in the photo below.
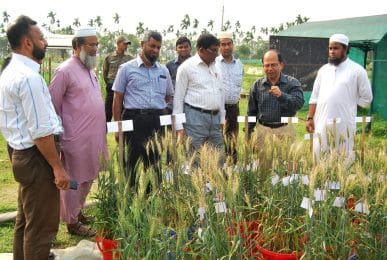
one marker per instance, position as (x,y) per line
(56,135)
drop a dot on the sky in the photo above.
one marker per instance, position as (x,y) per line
(159,14)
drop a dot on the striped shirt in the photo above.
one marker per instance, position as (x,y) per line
(143,87)
(232,75)
(26,111)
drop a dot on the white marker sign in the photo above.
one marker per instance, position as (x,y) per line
(127,125)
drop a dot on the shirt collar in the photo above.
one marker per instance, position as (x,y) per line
(197,60)
(140,62)
(27,61)
(221,58)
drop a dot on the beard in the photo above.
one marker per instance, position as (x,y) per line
(335,61)
(38,53)
(89,61)
(151,58)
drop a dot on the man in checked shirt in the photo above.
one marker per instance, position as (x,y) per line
(274,96)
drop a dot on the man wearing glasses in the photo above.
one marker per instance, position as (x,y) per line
(199,94)
(110,68)
(274,96)
(77,99)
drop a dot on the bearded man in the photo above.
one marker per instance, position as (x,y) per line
(142,89)
(77,99)
(340,86)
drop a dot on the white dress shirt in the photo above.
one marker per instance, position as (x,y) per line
(198,85)
(26,111)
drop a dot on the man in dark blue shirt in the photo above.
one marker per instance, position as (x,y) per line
(274,96)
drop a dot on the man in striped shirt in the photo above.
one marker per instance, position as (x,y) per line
(28,122)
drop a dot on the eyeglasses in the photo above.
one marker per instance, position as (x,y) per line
(271,65)
(92,45)
(213,51)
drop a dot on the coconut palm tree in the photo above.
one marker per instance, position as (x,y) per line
(210,25)
(140,29)
(185,23)
(6,17)
(76,22)
(91,23)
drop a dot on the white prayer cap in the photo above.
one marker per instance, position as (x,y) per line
(85,32)
(225,35)
(340,38)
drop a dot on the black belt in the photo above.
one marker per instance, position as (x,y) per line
(272,124)
(230,105)
(145,111)
(212,112)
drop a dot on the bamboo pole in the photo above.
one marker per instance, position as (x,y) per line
(362,141)
(174,153)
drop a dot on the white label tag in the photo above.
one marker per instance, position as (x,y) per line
(208,187)
(307,136)
(305,204)
(285,120)
(201,213)
(250,119)
(255,165)
(127,125)
(185,168)
(362,208)
(169,175)
(333,185)
(286,180)
(274,179)
(359,119)
(220,207)
(339,202)
(294,177)
(330,120)
(319,195)
(165,120)
(305,179)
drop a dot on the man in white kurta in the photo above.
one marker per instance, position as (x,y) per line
(339,87)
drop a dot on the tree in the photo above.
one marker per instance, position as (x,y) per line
(185,23)
(210,25)
(195,23)
(226,26)
(98,21)
(116,18)
(6,17)
(140,29)
(91,23)
(51,15)
(76,22)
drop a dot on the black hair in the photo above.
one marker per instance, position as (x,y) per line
(20,28)
(152,34)
(182,40)
(279,55)
(206,40)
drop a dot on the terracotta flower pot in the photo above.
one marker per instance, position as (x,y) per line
(108,248)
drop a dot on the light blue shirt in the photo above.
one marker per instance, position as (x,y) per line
(232,76)
(26,111)
(143,87)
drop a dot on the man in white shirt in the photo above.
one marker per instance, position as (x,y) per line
(28,122)
(231,71)
(339,87)
(199,94)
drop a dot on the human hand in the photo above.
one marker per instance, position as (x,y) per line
(275,91)
(310,126)
(62,179)
(180,135)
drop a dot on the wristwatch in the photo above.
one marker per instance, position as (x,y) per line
(309,118)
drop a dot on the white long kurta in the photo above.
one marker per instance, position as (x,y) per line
(337,91)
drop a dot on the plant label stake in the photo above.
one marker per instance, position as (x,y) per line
(120,144)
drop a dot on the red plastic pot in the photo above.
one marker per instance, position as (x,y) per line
(107,247)
(249,232)
(265,254)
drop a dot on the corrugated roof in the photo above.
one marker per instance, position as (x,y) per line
(358,29)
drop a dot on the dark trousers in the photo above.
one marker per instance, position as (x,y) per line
(109,102)
(37,218)
(231,130)
(145,124)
